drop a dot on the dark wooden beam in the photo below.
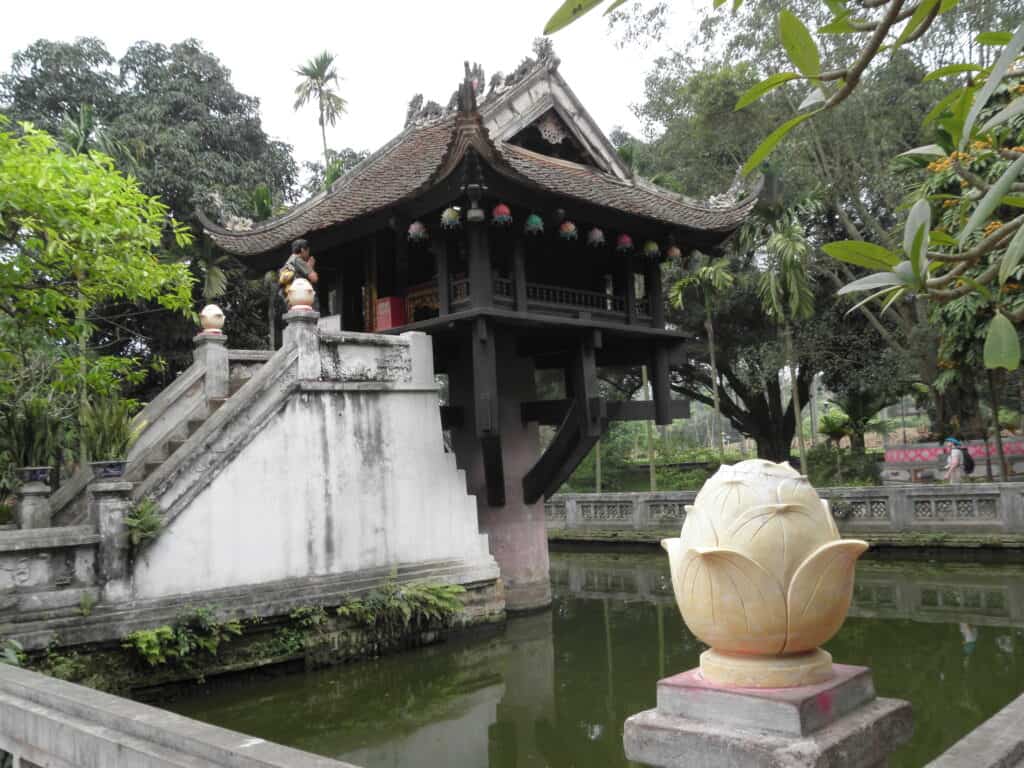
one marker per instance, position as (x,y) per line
(661,386)
(441,262)
(452,416)
(519,273)
(552,412)
(655,301)
(485,379)
(494,470)
(401,260)
(571,445)
(481,283)
(630,278)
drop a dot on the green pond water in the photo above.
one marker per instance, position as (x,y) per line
(553,689)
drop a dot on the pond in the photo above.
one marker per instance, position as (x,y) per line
(553,689)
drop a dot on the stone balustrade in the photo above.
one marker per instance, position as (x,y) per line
(49,722)
(970,508)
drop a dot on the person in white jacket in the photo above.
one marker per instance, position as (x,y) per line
(955,461)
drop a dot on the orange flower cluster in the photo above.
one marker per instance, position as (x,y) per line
(978,146)
(991,227)
(940,165)
(949,203)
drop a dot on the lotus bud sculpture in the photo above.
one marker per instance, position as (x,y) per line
(761,576)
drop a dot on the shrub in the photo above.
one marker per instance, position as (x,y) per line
(400,607)
(197,630)
(107,430)
(828,465)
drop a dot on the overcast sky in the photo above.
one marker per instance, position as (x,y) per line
(387,50)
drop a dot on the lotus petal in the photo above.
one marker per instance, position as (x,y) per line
(819,595)
(727,600)
(779,536)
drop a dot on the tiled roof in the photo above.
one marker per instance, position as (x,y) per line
(399,168)
(403,166)
(593,186)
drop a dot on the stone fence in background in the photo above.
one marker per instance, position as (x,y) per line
(988,509)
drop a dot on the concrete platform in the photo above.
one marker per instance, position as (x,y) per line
(839,723)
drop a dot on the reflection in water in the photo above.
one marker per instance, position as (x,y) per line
(554,688)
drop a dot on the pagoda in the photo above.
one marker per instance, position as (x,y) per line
(509,229)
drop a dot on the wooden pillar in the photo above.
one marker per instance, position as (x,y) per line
(337,306)
(519,273)
(370,320)
(401,262)
(485,409)
(481,284)
(443,280)
(654,295)
(630,289)
(660,385)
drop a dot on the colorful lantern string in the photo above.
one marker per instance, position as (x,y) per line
(624,243)
(674,252)
(567,230)
(418,232)
(651,249)
(595,237)
(451,219)
(501,215)
(534,225)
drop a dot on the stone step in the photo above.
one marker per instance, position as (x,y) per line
(150,467)
(214,404)
(193,424)
(174,444)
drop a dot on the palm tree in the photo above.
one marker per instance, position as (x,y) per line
(785,290)
(318,74)
(710,280)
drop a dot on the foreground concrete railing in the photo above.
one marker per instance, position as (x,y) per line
(49,722)
(996,743)
(982,508)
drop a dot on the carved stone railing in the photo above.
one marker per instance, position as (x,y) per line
(969,508)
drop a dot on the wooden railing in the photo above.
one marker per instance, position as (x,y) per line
(540,297)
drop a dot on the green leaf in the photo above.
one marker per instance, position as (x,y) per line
(948,5)
(568,13)
(756,92)
(872,282)
(918,222)
(1011,110)
(930,150)
(838,26)
(800,46)
(1013,200)
(922,12)
(862,254)
(951,69)
(984,292)
(1012,256)
(993,38)
(765,147)
(876,295)
(945,103)
(942,238)
(1001,67)
(992,198)
(1002,346)
(611,8)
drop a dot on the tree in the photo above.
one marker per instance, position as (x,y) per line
(318,75)
(75,234)
(709,281)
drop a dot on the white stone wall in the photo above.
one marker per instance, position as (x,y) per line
(347,476)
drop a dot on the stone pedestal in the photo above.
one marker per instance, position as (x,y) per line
(211,351)
(836,723)
(301,331)
(111,504)
(33,508)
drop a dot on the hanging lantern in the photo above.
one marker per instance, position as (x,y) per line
(559,215)
(451,219)
(624,243)
(567,230)
(534,225)
(674,252)
(595,237)
(652,250)
(418,232)
(501,215)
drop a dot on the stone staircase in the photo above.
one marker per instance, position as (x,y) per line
(141,468)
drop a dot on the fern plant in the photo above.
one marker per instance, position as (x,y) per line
(398,608)
(143,522)
(30,433)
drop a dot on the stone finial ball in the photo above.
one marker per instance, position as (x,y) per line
(300,294)
(211,318)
